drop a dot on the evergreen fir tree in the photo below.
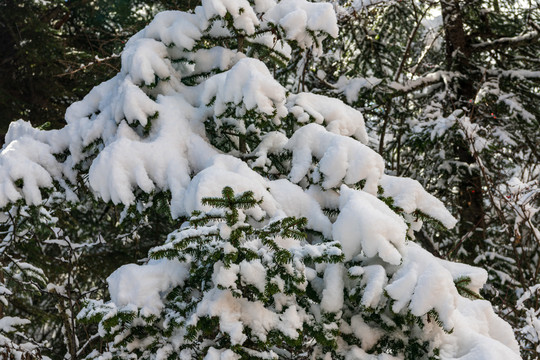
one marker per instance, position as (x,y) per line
(298,245)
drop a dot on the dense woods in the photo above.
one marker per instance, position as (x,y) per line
(283,158)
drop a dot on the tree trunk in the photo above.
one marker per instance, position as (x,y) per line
(470,197)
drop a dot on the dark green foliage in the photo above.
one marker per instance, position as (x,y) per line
(73,247)
(216,242)
(400,334)
(46,45)
(461,286)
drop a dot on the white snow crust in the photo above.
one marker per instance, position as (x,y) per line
(296,17)
(10,323)
(340,158)
(366,224)
(409,195)
(340,118)
(145,285)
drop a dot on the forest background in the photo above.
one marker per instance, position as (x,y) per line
(449,91)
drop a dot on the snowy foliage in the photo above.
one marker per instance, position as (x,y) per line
(296,243)
(449,94)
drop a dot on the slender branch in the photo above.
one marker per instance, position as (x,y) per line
(409,44)
(84,67)
(509,42)
(404,58)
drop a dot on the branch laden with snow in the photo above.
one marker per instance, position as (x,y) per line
(296,243)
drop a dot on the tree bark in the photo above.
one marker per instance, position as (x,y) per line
(470,196)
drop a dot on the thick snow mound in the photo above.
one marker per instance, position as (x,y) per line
(409,195)
(367,224)
(341,159)
(146,285)
(339,118)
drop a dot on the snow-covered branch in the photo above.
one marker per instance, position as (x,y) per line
(508,42)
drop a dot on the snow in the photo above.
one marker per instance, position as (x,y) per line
(132,104)
(248,82)
(526,295)
(374,280)
(10,324)
(225,276)
(409,195)
(488,45)
(144,59)
(271,143)
(479,334)
(351,87)
(431,78)
(332,295)
(340,118)
(262,6)
(228,171)
(295,202)
(520,74)
(341,158)
(278,45)
(3,292)
(145,285)
(531,328)
(221,354)
(297,17)
(28,160)
(423,285)
(130,161)
(56,139)
(235,313)
(176,27)
(253,273)
(244,17)
(126,161)
(217,57)
(367,224)
(144,131)
(478,277)
(367,335)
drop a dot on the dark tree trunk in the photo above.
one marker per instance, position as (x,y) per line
(470,196)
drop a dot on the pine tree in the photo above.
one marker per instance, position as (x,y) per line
(296,244)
